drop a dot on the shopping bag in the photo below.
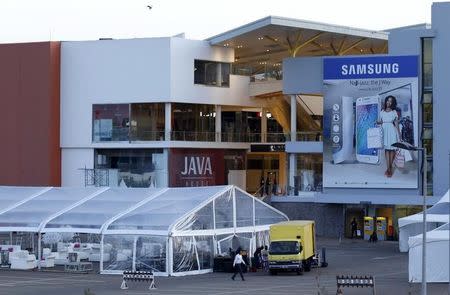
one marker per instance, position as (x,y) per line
(399,159)
(408,156)
(358,232)
(375,138)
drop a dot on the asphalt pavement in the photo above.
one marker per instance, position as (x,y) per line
(348,257)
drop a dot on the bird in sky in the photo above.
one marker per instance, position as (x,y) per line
(149,7)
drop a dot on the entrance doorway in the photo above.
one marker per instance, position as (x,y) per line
(266,173)
(358,214)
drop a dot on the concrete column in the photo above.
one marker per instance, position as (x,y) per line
(293,118)
(292,172)
(168,121)
(263,125)
(218,123)
(219,74)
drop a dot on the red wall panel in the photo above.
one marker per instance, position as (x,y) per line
(29,108)
(196,167)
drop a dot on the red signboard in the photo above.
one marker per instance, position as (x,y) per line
(196,167)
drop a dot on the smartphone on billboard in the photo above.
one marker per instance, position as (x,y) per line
(367,111)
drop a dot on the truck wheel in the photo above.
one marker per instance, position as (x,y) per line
(300,271)
(273,272)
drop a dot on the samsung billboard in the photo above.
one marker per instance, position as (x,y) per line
(370,103)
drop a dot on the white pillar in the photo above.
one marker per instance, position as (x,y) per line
(133,263)
(263,125)
(39,251)
(168,121)
(101,253)
(293,118)
(219,74)
(218,123)
(292,171)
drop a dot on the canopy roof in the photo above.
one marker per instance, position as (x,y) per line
(267,41)
(157,211)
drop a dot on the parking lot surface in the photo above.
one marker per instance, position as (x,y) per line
(348,257)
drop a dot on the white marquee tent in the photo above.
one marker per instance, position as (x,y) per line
(437,259)
(411,225)
(171,231)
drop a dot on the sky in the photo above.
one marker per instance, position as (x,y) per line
(54,20)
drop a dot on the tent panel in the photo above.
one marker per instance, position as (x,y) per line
(267,215)
(244,209)
(161,212)
(200,220)
(224,210)
(151,253)
(184,254)
(118,252)
(37,210)
(10,195)
(93,213)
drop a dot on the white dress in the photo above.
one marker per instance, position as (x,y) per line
(390,134)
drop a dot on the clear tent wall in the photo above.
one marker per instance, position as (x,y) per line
(171,231)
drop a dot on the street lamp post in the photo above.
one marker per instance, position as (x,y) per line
(410,147)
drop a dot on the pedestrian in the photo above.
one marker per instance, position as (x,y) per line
(257,257)
(237,264)
(262,186)
(354,226)
(265,258)
(373,237)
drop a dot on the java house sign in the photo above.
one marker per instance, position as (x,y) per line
(189,167)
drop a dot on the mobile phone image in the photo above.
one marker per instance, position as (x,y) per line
(342,130)
(367,110)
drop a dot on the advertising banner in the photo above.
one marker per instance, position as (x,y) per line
(196,167)
(370,103)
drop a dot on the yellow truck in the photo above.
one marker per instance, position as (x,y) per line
(292,246)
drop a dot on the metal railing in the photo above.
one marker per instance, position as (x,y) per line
(124,134)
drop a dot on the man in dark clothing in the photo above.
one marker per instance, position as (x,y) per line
(354,226)
(257,256)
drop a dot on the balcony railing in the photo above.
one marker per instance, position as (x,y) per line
(123,134)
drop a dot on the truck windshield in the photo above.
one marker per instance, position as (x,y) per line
(286,247)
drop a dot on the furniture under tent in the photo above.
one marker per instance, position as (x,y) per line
(169,231)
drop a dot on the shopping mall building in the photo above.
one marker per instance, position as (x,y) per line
(261,106)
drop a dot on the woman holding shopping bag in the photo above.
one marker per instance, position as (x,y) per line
(391,133)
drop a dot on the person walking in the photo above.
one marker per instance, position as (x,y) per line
(354,226)
(237,264)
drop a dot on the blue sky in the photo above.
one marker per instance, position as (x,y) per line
(42,20)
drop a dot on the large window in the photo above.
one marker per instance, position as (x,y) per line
(427,107)
(309,172)
(193,122)
(212,73)
(240,126)
(134,167)
(147,121)
(111,122)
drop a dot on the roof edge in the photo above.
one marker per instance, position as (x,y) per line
(299,23)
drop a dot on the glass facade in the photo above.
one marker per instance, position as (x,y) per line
(427,107)
(111,122)
(241,126)
(212,73)
(135,167)
(193,122)
(309,173)
(147,121)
